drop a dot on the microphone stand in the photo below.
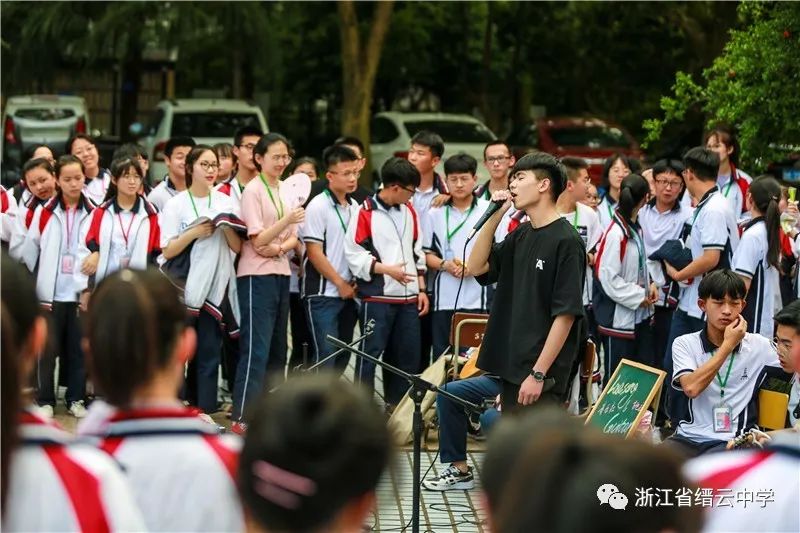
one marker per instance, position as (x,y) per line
(419,387)
(368,329)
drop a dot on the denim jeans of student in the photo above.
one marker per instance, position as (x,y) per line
(264,303)
(331,316)
(396,325)
(453,417)
(677,403)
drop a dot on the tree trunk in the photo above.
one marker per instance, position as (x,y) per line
(489,114)
(359,66)
(132,68)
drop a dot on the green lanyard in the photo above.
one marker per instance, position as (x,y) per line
(447,221)
(640,249)
(722,383)
(608,206)
(728,188)
(336,208)
(191,198)
(575,219)
(278,208)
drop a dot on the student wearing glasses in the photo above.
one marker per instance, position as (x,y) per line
(498,161)
(245,169)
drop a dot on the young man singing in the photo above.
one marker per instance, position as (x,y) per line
(534,329)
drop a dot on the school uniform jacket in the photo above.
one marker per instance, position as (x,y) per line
(617,272)
(372,237)
(95,189)
(42,249)
(8,210)
(230,187)
(20,224)
(58,484)
(181,471)
(144,236)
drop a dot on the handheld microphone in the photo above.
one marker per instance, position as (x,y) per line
(494,207)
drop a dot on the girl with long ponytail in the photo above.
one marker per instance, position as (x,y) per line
(624,295)
(757,258)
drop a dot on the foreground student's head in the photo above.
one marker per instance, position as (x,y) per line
(343,167)
(175,152)
(668,180)
(497,159)
(245,139)
(355,144)
(578,180)
(127,176)
(615,168)
(272,154)
(70,177)
(304,165)
(427,149)
(536,177)
(84,148)
(632,195)
(202,167)
(544,472)
(722,140)
(40,151)
(592,197)
(787,336)
(136,335)
(459,171)
(227,163)
(701,167)
(721,297)
(400,180)
(40,178)
(314,452)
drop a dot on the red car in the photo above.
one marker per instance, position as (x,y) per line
(592,139)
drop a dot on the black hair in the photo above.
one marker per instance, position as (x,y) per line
(609,162)
(134,320)
(496,142)
(633,189)
(766,193)
(432,140)
(246,131)
(544,166)
(338,153)
(573,165)
(726,135)
(720,284)
(400,171)
(133,150)
(790,316)
(305,160)
(553,485)
(38,163)
(351,141)
(175,142)
(460,163)
(75,137)
(324,433)
(65,160)
(668,166)
(223,149)
(120,166)
(18,294)
(32,150)
(193,156)
(703,163)
(265,142)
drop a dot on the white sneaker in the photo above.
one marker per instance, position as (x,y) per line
(451,478)
(77,409)
(46,410)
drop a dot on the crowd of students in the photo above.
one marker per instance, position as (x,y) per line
(684,266)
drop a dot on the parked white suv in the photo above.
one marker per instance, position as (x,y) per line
(391,134)
(207,121)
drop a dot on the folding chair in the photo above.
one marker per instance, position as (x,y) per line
(466,330)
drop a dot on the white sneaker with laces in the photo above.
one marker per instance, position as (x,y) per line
(46,410)
(451,478)
(77,409)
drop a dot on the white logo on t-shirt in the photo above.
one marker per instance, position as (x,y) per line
(539,264)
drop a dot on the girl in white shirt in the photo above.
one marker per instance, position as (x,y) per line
(615,169)
(97,179)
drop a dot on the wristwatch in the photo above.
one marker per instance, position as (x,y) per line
(538,376)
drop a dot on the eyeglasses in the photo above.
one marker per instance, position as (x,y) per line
(497,159)
(407,189)
(248,146)
(348,174)
(668,183)
(281,158)
(131,176)
(785,344)
(208,166)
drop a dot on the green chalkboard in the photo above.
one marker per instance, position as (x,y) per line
(633,388)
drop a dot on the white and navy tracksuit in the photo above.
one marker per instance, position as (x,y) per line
(445,232)
(206,273)
(181,472)
(390,235)
(162,193)
(8,212)
(605,211)
(622,282)
(750,261)
(734,188)
(59,484)
(123,239)
(328,314)
(96,188)
(20,224)
(232,188)
(51,251)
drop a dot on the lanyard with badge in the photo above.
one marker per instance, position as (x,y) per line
(194,207)
(449,255)
(279,205)
(68,259)
(721,413)
(336,209)
(125,260)
(642,276)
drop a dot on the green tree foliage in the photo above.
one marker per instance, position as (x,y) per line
(754,84)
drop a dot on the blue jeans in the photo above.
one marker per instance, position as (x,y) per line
(396,325)
(453,417)
(331,316)
(677,403)
(264,303)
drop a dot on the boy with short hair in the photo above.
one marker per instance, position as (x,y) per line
(244,140)
(175,153)
(498,160)
(719,368)
(787,337)
(446,231)
(384,252)
(328,286)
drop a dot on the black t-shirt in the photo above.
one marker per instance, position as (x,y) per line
(540,275)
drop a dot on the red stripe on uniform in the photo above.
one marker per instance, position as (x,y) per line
(82,488)
(3,201)
(364,226)
(724,479)
(110,445)
(229,458)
